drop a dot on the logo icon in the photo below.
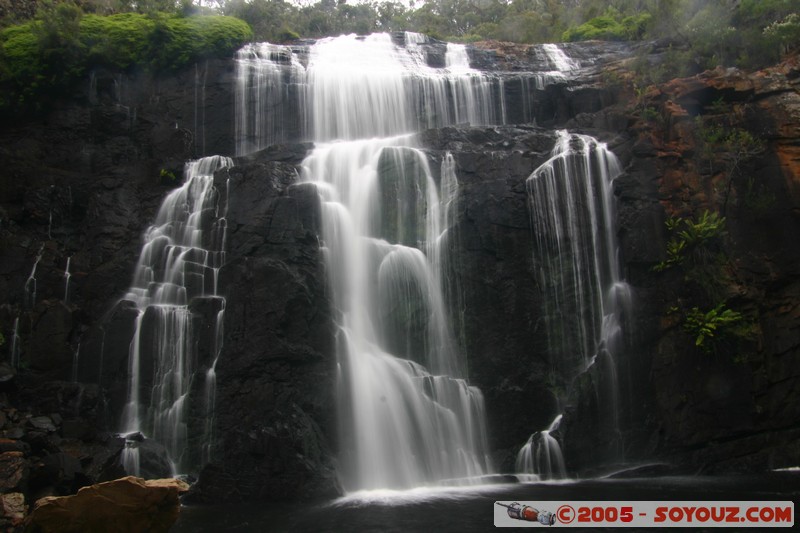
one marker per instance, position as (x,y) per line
(529,514)
(565,514)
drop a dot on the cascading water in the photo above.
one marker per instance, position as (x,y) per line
(267,78)
(555,67)
(211,374)
(449,271)
(558,60)
(559,66)
(30,283)
(541,456)
(179,263)
(211,390)
(572,209)
(388,90)
(408,416)
(67,277)
(585,299)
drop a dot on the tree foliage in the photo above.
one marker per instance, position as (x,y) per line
(728,32)
(612,26)
(64,37)
(745,33)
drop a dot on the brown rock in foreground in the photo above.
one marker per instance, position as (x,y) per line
(125,505)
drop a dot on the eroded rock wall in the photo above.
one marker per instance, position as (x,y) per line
(733,405)
(86,180)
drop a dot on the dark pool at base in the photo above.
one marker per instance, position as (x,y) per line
(472,508)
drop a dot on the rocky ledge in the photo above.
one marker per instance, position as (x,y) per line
(126,505)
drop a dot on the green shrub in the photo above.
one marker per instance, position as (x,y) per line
(21,69)
(41,58)
(468,38)
(211,36)
(117,41)
(161,41)
(609,27)
(634,26)
(709,324)
(168,177)
(287,34)
(603,28)
(692,239)
(694,247)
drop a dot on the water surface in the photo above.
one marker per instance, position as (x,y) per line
(468,509)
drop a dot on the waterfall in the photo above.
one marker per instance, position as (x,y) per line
(585,299)
(559,66)
(450,272)
(389,90)
(30,283)
(559,61)
(407,413)
(178,264)
(408,416)
(266,97)
(211,390)
(211,374)
(67,276)
(541,455)
(456,58)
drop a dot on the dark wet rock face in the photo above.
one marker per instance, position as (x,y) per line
(722,409)
(275,387)
(491,257)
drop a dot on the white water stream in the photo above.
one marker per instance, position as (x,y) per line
(179,261)
(407,414)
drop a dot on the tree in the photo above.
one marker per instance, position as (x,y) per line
(271,20)
(392,16)
(785,34)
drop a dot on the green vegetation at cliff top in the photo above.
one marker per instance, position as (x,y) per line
(41,58)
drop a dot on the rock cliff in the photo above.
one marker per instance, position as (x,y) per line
(722,141)
(83,183)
